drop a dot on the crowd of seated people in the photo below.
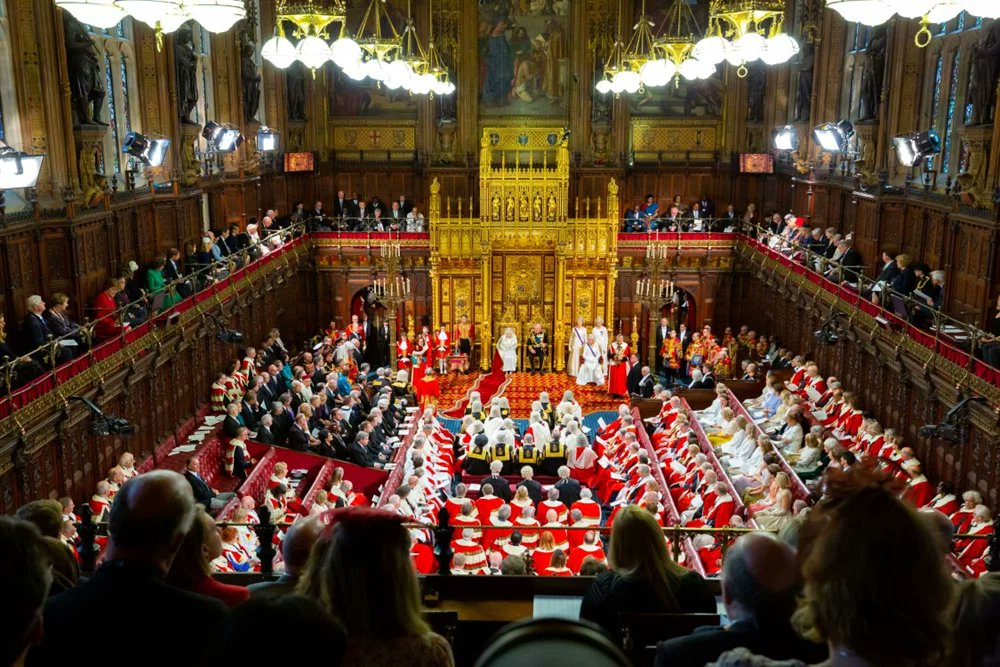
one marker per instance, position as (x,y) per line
(813,424)
(681,216)
(833,255)
(355,214)
(48,335)
(863,577)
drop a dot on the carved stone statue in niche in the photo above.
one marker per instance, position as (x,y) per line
(872,74)
(707,93)
(756,89)
(186,67)
(803,96)
(295,80)
(250,75)
(86,89)
(983,76)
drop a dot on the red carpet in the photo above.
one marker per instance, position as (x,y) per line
(486,384)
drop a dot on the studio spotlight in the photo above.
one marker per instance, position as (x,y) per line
(833,137)
(222,138)
(148,151)
(267,140)
(786,138)
(911,148)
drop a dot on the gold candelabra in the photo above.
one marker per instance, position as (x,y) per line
(392,289)
(651,291)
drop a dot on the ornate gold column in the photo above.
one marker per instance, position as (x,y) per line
(559,335)
(485,331)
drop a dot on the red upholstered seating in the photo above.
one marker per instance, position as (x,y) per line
(257,481)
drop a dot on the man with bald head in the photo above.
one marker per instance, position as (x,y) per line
(760,579)
(149,519)
(295,550)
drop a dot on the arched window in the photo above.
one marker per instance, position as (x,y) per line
(946,102)
(116,54)
(204,111)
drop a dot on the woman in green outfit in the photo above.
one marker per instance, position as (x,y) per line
(156,282)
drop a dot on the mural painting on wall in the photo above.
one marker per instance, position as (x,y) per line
(367,98)
(524,57)
(686,98)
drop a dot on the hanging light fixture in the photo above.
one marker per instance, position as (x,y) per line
(311,22)
(877,12)
(104,14)
(216,15)
(744,31)
(614,65)
(163,16)
(377,46)
(637,53)
(442,84)
(675,50)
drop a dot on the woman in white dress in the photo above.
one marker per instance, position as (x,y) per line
(507,346)
(600,334)
(577,339)
(791,439)
(780,513)
(591,371)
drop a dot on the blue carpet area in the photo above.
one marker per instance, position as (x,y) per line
(589,420)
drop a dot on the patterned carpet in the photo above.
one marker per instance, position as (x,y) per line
(521,389)
(525,387)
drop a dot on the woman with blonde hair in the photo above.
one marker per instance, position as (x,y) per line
(366,580)
(192,567)
(643,577)
(780,513)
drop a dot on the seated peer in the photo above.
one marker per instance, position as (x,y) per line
(367,580)
(643,577)
(759,588)
(191,569)
(149,520)
(25,580)
(875,589)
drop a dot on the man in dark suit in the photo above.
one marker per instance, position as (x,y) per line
(341,205)
(634,375)
(295,549)
(759,583)
(707,377)
(662,331)
(298,436)
(172,272)
(150,516)
(646,383)
(264,434)
(35,333)
(61,325)
(231,424)
(568,488)
(848,264)
(250,411)
(205,495)
(358,452)
(534,488)
(501,487)
(697,380)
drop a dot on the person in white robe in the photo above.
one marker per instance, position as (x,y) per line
(577,339)
(600,334)
(592,369)
(507,346)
